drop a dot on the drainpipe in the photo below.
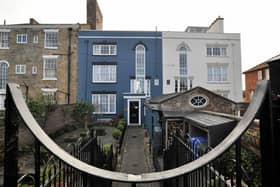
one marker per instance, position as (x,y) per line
(86,71)
(69,64)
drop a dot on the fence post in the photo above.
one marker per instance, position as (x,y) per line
(37,163)
(11,142)
(238,162)
(270,129)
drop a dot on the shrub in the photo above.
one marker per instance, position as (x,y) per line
(120,127)
(39,107)
(81,112)
(106,148)
(116,134)
(121,121)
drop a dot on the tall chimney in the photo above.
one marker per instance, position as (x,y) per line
(91,13)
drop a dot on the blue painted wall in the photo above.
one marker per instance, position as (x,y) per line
(126,42)
(154,129)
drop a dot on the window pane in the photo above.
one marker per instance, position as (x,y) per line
(209,51)
(216,51)
(3,75)
(50,68)
(218,73)
(51,39)
(104,103)
(4,39)
(104,73)
(183,69)
(104,49)
(140,68)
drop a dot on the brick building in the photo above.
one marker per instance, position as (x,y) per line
(42,58)
(253,75)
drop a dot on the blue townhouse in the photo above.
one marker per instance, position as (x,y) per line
(118,71)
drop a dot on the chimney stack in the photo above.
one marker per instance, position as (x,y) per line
(91,13)
(217,26)
(32,21)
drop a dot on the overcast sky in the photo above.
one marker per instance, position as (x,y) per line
(256,20)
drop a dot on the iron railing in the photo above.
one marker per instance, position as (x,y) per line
(220,172)
(17,112)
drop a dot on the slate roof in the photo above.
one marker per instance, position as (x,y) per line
(257,67)
(263,65)
(162,98)
(207,120)
(202,119)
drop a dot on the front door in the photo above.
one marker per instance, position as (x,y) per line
(134,112)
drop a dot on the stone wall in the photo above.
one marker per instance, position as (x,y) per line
(31,54)
(216,103)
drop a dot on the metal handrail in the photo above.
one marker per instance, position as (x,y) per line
(49,144)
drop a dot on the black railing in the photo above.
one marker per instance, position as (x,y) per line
(220,172)
(201,171)
(54,172)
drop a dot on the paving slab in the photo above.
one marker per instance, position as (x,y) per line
(135,157)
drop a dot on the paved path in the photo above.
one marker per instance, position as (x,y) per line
(135,155)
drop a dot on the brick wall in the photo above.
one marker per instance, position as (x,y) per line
(251,79)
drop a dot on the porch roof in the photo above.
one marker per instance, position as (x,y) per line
(202,119)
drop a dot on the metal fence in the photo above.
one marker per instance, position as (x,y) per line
(222,171)
(205,170)
(54,172)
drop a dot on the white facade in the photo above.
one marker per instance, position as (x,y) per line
(217,68)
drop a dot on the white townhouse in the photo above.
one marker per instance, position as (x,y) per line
(203,56)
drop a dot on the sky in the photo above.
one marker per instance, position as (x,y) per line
(256,20)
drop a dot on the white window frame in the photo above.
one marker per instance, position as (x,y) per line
(104,73)
(45,58)
(199,98)
(260,75)
(3,76)
(51,43)
(140,69)
(50,93)
(2,101)
(20,69)
(183,69)
(267,77)
(35,39)
(135,89)
(104,99)
(34,70)
(22,38)
(218,73)
(216,51)
(4,38)
(104,49)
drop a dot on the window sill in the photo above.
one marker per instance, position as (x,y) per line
(105,113)
(217,56)
(105,82)
(49,79)
(4,48)
(51,47)
(103,55)
(218,82)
